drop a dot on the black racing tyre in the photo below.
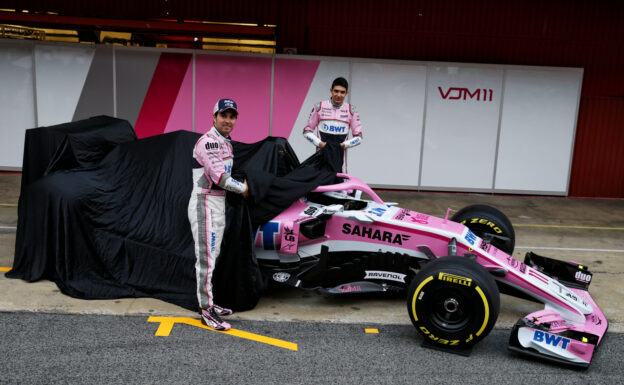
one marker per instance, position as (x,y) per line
(453,301)
(483,220)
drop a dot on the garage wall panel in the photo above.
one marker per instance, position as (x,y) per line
(245,79)
(461,126)
(17,106)
(390,99)
(537,130)
(97,96)
(292,79)
(134,70)
(61,72)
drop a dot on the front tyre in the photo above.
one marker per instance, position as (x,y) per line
(488,222)
(453,301)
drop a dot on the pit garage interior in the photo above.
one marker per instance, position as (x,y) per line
(564,192)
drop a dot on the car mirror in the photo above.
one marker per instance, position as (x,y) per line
(333,209)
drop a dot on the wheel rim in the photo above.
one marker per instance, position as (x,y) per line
(450,310)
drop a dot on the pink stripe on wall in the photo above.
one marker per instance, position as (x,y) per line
(293,79)
(247,81)
(162,94)
(181,117)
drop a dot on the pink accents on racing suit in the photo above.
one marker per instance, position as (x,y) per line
(325,111)
(332,124)
(209,252)
(215,154)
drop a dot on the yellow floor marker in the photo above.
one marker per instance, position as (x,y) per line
(5,268)
(371,331)
(166,325)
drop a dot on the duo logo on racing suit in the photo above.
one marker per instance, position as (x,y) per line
(370,233)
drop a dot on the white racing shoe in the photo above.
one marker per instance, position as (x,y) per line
(211,318)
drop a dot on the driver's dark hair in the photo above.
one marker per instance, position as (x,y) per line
(342,82)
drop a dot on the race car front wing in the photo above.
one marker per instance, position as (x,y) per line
(547,335)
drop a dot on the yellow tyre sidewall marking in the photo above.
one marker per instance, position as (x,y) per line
(486,308)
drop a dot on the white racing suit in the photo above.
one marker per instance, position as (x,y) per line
(333,124)
(206,209)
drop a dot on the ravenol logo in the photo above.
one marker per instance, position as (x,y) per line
(551,339)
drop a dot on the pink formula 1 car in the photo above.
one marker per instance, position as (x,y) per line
(453,270)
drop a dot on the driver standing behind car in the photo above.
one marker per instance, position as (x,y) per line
(206,209)
(333,119)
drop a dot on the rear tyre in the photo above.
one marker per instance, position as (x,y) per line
(486,220)
(453,301)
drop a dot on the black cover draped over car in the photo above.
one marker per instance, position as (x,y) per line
(104,215)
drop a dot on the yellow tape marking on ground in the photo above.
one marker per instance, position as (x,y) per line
(8,204)
(5,268)
(166,325)
(371,331)
(570,227)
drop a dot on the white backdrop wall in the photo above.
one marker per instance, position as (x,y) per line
(391,100)
(60,73)
(426,125)
(17,101)
(461,127)
(537,129)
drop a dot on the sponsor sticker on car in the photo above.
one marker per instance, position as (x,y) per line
(386,275)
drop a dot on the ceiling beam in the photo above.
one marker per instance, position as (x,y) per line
(167,27)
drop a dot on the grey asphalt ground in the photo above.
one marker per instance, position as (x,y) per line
(87,349)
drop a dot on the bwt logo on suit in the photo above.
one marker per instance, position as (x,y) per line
(463,93)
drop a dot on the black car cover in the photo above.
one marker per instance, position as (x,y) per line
(104,215)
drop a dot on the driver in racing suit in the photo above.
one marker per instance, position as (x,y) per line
(206,209)
(333,119)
